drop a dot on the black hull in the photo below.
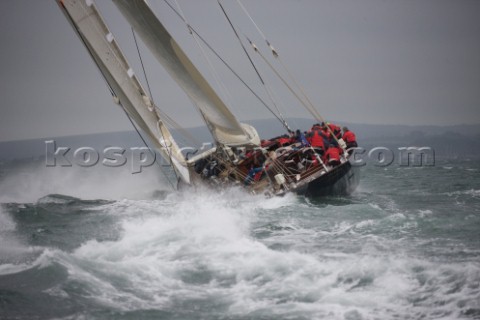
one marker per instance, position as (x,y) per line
(342,180)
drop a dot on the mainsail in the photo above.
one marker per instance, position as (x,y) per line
(223,125)
(125,87)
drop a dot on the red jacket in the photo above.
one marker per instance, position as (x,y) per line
(349,136)
(332,155)
(336,130)
(316,140)
(283,141)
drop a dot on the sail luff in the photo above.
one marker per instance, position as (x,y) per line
(113,65)
(220,120)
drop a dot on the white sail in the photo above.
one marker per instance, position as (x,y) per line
(222,123)
(125,86)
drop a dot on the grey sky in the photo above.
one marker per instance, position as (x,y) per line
(368,61)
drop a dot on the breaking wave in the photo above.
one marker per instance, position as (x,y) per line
(206,251)
(84,253)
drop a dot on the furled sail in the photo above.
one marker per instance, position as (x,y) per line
(222,123)
(123,83)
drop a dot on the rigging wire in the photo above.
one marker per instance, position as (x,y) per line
(277,56)
(168,150)
(136,129)
(215,75)
(164,115)
(151,151)
(115,97)
(141,62)
(226,64)
(312,111)
(173,124)
(251,19)
(254,67)
(308,105)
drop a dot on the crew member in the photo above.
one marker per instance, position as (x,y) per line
(337,132)
(300,137)
(332,156)
(253,175)
(284,140)
(349,138)
(316,138)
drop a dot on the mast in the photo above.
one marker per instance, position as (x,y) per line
(223,125)
(124,85)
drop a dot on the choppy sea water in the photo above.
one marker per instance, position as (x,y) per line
(77,245)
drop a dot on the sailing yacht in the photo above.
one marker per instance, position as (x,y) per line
(239,156)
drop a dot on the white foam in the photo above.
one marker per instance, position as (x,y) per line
(6,222)
(198,247)
(366,224)
(471,192)
(10,268)
(173,239)
(29,182)
(42,259)
(10,247)
(425,213)
(189,235)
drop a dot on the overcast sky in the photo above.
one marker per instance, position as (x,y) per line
(363,61)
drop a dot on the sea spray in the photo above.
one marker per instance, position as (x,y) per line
(29,181)
(229,255)
(15,254)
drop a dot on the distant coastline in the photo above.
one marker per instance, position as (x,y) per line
(447,141)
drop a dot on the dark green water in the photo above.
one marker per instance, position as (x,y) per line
(406,245)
